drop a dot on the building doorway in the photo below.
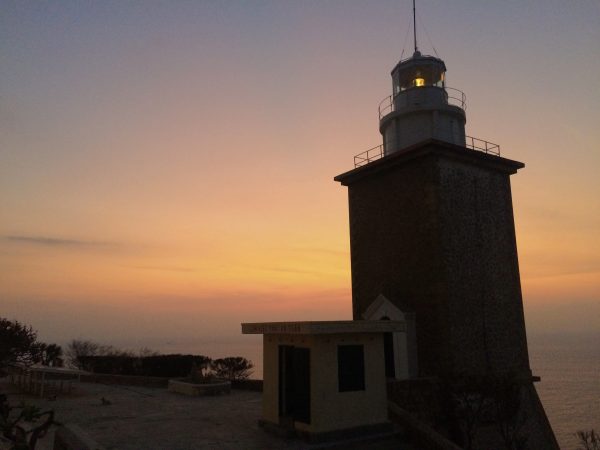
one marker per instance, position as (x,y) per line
(388,353)
(294,383)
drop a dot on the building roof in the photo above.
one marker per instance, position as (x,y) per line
(325,327)
(427,148)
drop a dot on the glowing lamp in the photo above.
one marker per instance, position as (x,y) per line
(419,82)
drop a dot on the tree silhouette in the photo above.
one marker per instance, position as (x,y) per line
(233,368)
(18,343)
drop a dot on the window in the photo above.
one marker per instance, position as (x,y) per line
(351,368)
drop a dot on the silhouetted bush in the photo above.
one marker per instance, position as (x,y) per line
(233,368)
(472,402)
(110,364)
(588,440)
(172,365)
(79,348)
(152,366)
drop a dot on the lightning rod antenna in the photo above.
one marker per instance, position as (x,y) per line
(415,26)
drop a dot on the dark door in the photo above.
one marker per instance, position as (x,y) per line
(294,383)
(286,380)
(388,353)
(302,384)
(388,350)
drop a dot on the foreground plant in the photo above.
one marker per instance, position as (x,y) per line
(23,425)
(588,440)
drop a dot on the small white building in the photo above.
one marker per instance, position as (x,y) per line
(324,380)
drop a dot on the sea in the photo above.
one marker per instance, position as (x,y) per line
(568,365)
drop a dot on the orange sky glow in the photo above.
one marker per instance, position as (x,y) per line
(167,172)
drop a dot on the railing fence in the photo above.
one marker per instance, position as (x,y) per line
(473,143)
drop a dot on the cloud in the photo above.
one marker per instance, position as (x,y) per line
(290,270)
(326,251)
(56,242)
(557,274)
(165,268)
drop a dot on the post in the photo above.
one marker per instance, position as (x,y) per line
(415,25)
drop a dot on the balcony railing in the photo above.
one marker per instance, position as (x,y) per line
(364,158)
(482,146)
(452,97)
(473,143)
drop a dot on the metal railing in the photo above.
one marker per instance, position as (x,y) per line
(482,146)
(364,158)
(386,106)
(456,97)
(473,143)
(453,97)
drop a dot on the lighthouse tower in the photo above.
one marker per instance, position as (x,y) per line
(432,242)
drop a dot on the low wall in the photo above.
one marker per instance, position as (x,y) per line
(126,380)
(159,382)
(199,389)
(421,434)
(428,406)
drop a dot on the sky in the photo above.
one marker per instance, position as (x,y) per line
(166,168)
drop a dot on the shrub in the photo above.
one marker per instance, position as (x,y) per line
(589,440)
(172,365)
(13,428)
(155,366)
(472,402)
(109,364)
(233,368)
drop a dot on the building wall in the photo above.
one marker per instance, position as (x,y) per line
(479,256)
(334,410)
(432,228)
(270,402)
(393,233)
(401,129)
(330,410)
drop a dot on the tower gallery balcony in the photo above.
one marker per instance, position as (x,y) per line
(472,143)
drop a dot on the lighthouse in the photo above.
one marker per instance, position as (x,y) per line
(433,244)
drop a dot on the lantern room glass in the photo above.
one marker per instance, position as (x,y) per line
(417,76)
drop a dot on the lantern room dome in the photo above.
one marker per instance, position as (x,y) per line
(418,71)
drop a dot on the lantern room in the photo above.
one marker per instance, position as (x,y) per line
(421,106)
(418,71)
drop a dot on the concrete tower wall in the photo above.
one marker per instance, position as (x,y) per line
(479,250)
(403,129)
(431,228)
